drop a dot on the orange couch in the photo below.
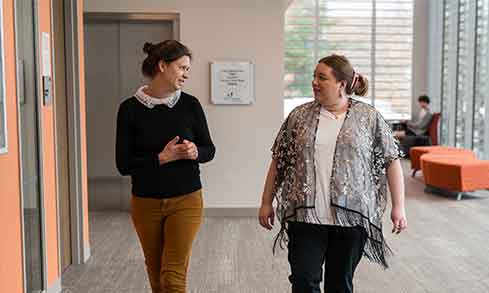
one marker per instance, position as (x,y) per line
(460,172)
(415,154)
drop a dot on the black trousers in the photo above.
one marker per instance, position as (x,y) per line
(310,246)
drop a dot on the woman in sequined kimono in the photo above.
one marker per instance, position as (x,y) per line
(331,162)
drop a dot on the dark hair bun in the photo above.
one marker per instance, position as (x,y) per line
(361,86)
(148,47)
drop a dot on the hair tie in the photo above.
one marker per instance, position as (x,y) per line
(354,80)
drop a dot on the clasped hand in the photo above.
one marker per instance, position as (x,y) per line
(174,151)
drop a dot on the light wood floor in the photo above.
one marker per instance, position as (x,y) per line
(446,249)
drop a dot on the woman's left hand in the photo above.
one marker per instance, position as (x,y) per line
(399,221)
(190,151)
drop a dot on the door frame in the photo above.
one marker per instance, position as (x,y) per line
(174,18)
(3,91)
(69,131)
(80,251)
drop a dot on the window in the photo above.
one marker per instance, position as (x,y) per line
(481,96)
(465,67)
(465,71)
(375,35)
(449,68)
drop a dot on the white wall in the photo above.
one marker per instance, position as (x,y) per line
(229,30)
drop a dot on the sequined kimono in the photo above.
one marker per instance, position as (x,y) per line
(365,147)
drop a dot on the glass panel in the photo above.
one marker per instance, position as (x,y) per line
(481,97)
(348,32)
(464,71)
(393,58)
(300,23)
(28,112)
(318,28)
(449,43)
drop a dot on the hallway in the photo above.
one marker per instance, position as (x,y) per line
(444,250)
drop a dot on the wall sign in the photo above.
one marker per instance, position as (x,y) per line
(232,82)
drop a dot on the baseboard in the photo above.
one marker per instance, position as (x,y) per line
(86,252)
(55,288)
(230,212)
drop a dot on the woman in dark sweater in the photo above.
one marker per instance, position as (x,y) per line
(162,136)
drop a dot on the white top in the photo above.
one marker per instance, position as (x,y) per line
(328,128)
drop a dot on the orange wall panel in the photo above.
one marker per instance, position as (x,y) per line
(11,279)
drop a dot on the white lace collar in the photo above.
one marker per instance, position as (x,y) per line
(150,101)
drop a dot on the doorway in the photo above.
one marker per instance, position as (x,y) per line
(113,58)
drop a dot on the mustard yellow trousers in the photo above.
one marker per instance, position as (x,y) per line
(166,229)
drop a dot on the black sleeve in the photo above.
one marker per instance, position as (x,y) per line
(126,161)
(203,139)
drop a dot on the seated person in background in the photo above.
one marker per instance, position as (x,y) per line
(413,133)
(419,126)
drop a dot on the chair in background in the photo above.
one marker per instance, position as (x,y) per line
(430,138)
(431,135)
(433,128)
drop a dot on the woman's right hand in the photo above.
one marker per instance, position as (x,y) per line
(266,216)
(172,151)
(398,217)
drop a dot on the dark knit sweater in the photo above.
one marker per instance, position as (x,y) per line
(142,133)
